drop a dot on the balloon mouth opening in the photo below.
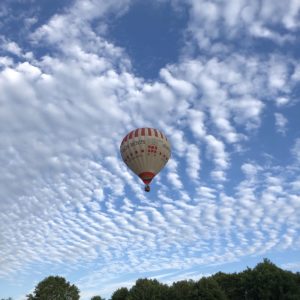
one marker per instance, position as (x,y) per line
(147,177)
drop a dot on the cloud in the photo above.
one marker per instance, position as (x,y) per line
(172,175)
(280,123)
(250,170)
(193,161)
(216,149)
(207,192)
(5,61)
(248,109)
(281,101)
(261,19)
(196,123)
(13,48)
(260,31)
(296,149)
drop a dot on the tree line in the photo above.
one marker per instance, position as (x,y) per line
(265,281)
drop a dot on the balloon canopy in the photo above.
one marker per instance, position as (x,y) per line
(145,151)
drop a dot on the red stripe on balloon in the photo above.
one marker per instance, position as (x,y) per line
(136,133)
(131,135)
(147,177)
(155,132)
(143,132)
(149,132)
(126,138)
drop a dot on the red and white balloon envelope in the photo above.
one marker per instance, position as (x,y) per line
(145,151)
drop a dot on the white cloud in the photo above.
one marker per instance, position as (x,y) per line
(216,149)
(182,87)
(280,123)
(260,31)
(248,109)
(6,61)
(207,192)
(233,11)
(290,20)
(296,149)
(281,101)
(278,74)
(193,162)
(250,169)
(172,175)
(196,123)
(29,70)
(178,142)
(210,19)
(13,47)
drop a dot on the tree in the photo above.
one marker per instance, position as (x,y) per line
(148,289)
(267,281)
(231,284)
(97,298)
(208,289)
(120,294)
(54,288)
(182,290)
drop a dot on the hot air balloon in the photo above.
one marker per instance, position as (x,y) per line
(145,151)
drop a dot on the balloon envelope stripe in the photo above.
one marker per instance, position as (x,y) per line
(143,132)
(149,132)
(125,139)
(147,177)
(136,133)
(131,134)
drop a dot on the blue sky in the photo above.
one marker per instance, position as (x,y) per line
(219,78)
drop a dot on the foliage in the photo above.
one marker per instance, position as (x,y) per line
(181,290)
(231,284)
(148,289)
(120,294)
(265,282)
(54,288)
(97,298)
(208,289)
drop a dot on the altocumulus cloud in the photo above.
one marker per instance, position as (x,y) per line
(68,202)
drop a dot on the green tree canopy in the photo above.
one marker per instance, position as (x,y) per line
(182,290)
(54,288)
(97,298)
(120,294)
(231,284)
(208,289)
(148,289)
(267,281)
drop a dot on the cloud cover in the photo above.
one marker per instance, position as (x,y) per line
(66,199)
